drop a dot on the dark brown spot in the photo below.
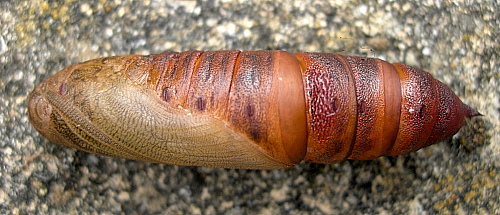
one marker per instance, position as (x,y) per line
(249,110)
(255,134)
(167,94)
(447,113)
(334,105)
(63,89)
(361,107)
(201,104)
(421,111)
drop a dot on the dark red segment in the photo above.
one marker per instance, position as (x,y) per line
(419,109)
(451,115)
(367,79)
(376,131)
(331,106)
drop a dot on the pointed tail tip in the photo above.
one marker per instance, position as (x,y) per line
(475,113)
(471,112)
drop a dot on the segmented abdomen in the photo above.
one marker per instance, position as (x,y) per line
(356,108)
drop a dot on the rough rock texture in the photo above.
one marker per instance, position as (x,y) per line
(457,41)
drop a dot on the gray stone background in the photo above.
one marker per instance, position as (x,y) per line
(457,41)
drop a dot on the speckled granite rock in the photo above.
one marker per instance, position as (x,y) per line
(457,41)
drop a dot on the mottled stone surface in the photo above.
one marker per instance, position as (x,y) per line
(457,41)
